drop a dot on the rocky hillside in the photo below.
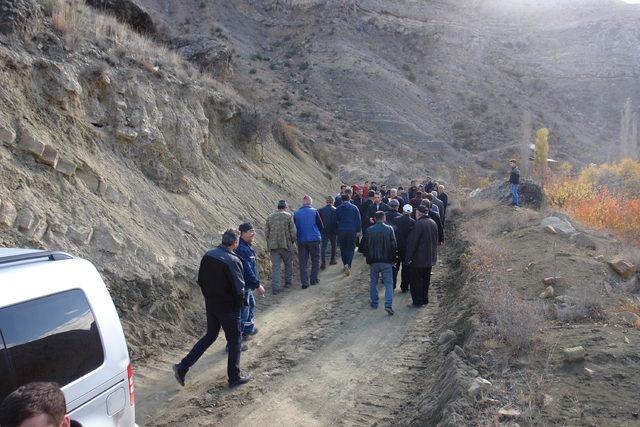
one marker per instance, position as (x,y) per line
(443,81)
(115,149)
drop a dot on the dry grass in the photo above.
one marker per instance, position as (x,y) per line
(287,136)
(584,302)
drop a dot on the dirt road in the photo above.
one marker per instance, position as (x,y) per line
(322,357)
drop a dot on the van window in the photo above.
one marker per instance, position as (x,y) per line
(53,338)
(6,385)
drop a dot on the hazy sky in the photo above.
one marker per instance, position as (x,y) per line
(631,1)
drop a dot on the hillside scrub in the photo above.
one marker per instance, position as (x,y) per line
(605,197)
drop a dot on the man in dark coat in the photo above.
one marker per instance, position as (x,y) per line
(328,216)
(436,218)
(413,189)
(364,216)
(421,255)
(348,225)
(403,226)
(445,200)
(376,206)
(221,280)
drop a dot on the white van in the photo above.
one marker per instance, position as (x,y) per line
(58,323)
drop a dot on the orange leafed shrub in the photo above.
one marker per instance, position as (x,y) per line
(605,197)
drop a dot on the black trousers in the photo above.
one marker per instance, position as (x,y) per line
(405,277)
(420,281)
(229,319)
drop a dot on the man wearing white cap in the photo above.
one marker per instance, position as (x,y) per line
(403,226)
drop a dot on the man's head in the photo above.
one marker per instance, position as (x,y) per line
(420,187)
(346,197)
(418,194)
(366,184)
(394,204)
(426,203)
(434,193)
(407,209)
(440,188)
(401,189)
(348,191)
(513,163)
(329,199)
(247,233)
(393,192)
(413,182)
(383,187)
(307,200)
(342,187)
(428,179)
(230,239)
(379,216)
(37,404)
(374,184)
(429,196)
(377,198)
(282,205)
(421,211)
(371,194)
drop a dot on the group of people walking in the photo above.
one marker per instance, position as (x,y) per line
(398,231)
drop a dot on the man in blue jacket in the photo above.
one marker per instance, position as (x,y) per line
(251,279)
(348,225)
(308,227)
(328,216)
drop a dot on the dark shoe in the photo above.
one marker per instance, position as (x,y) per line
(179,373)
(333,262)
(315,283)
(275,291)
(243,347)
(241,380)
(389,310)
(323,266)
(305,286)
(413,305)
(246,335)
(373,306)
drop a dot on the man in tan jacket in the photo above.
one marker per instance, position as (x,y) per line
(281,237)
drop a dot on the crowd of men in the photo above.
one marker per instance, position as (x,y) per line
(397,230)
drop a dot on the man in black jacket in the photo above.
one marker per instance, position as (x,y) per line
(382,252)
(403,226)
(436,218)
(328,233)
(221,280)
(422,255)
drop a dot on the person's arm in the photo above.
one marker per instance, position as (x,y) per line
(319,222)
(267,232)
(237,278)
(292,229)
(394,245)
(412,243)
(438,222)
(358,220)
(251,280)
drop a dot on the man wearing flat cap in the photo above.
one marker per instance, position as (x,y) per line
(280,232)
(251,278)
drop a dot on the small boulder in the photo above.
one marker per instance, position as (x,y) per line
(547,293)
(446,336)
(558,225)
(574,354)
(553,280)
(7,134)
(32,145)
(623,267)
(478,387)
(8,213)
(79,235)
(588,372)
(49,156)
(65,167)
(509,412)
(105,240)
(25,220)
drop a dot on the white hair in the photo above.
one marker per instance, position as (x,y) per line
(394,191)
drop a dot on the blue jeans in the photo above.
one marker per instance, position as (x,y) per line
(247,314)
(514,194)
(347,242)
(387,277)
(326,239)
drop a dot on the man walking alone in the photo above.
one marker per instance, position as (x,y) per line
(308,225)
(280,233)
(514,181)
(421,256)
(382,252)
(222,284)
